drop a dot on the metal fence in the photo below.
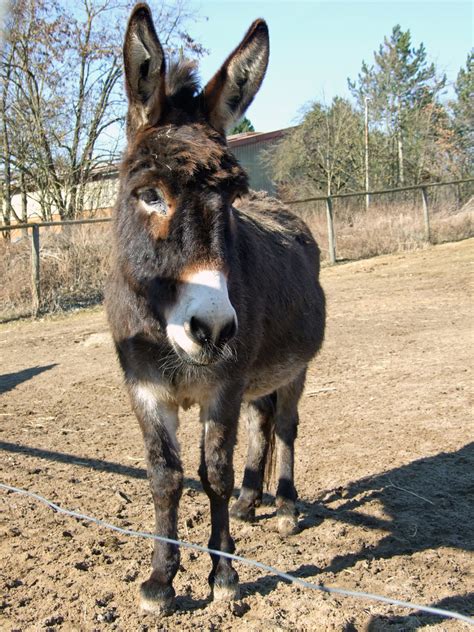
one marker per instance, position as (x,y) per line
(422,207)
(368,195)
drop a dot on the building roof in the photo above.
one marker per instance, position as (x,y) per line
(250,138)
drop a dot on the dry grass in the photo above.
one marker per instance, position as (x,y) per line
(74,263)
(386,228)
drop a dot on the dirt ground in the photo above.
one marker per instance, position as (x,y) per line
(385,464)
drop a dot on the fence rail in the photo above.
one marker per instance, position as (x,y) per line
(35,227)
(71,222)
(411,187)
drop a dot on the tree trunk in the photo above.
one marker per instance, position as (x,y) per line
(71,206)
(401,174)
(24,202)
(7,195)
(7,207)
(5,213)
(401,170)
(24,198)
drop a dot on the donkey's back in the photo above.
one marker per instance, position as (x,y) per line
(285,310)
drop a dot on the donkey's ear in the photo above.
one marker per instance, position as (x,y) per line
(145,68)
(232,89)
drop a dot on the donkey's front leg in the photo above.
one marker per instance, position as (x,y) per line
(217,475)
(158,420)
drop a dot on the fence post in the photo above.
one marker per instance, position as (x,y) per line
(426,215)
(331,240)
(35,269)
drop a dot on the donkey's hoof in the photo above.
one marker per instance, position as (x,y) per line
(287,525)
(156,599)
(228,592)
(242,511)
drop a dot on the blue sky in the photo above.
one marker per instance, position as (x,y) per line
(316,45)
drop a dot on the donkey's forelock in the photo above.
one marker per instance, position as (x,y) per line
(186,153)
(182,82)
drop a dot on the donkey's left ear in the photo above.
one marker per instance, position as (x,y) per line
(232,89)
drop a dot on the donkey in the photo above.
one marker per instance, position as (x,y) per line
(208,304)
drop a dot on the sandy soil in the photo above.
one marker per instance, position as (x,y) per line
(384,469)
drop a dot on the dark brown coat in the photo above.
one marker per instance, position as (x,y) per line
(207,303)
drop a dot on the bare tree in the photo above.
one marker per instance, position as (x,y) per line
(62,112)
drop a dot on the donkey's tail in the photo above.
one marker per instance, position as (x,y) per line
(269,403)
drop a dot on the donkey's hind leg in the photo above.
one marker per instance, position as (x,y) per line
(260,420)
(286,425)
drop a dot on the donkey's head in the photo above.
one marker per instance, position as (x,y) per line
(176,230)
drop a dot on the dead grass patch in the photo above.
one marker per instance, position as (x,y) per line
(73,268)
(386,228)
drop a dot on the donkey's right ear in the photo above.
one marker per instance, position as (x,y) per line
(145,68)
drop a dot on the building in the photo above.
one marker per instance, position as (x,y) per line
(249,148)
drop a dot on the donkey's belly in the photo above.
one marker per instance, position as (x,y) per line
(269,379)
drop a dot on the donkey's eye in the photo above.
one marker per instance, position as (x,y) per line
(150,196)
(153,200)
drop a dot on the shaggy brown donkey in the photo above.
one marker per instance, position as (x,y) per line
(208,304)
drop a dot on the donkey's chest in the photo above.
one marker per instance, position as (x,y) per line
(258,381)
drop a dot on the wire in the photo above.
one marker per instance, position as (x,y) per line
(270,569)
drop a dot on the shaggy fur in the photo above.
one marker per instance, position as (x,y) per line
(270,263)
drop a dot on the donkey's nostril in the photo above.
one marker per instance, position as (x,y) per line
(201,332)
(227,332)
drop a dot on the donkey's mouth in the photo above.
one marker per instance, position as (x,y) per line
(204,358)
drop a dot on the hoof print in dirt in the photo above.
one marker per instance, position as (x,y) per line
(238,608)
(54,621)
(109,616)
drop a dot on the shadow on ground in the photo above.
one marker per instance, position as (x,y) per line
(9,381)
(429,503)
(86,462)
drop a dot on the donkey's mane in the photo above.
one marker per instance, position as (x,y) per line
(267,214)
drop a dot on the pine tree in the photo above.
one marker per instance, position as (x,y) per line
(398,85)
(244,125)
(463,108)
